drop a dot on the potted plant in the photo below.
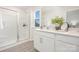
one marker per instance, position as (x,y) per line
(57,21)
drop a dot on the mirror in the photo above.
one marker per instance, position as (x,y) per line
(73,18)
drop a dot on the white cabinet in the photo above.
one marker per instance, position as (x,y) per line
(69,39)
(66,43)
(42,42)
(37,44)
(65,47)
(47,44)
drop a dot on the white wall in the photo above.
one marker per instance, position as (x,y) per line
(51,12)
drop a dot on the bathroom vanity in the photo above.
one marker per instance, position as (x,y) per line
(49,40)
(56,41)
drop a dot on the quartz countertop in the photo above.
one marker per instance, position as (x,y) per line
(70,33)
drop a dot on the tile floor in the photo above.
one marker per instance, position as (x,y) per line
(24,47)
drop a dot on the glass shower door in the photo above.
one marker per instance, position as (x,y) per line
(8,28)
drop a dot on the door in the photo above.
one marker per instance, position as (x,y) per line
(23,26)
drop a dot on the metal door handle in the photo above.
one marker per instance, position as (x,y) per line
(24,25)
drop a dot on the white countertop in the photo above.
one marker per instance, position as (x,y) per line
(71,33)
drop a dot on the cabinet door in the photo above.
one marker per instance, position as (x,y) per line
(47,44)
(37,43)
(36,39)
(69,39)
(65,47)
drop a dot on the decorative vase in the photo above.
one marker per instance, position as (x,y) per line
(58,27)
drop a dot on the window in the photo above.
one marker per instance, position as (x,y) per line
(37,18)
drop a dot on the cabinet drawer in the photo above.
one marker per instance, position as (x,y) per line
(68,39)
(65,47)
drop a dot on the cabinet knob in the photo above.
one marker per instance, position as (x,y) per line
(41,40)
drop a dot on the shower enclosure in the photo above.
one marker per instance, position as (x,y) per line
(8,27)
(14,26)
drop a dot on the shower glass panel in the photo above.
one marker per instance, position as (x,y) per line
(8,27)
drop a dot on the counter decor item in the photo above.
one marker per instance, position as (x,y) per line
(57,21)
(65,26)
